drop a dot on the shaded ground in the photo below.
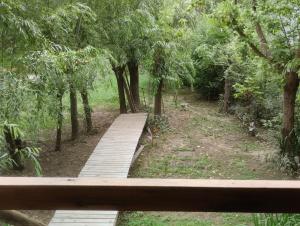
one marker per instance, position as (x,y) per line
(202,143)
(71,159)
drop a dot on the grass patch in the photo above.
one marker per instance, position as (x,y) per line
(211,125)
(276,219)
(172,166)
(183,149)
(236,219)
(173,219)
(144,219)
(237,168)
(248,146)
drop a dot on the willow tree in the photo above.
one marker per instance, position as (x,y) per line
(124,28)
(171,51)
(141,28)
(271,30)
(17,31)
(72,26)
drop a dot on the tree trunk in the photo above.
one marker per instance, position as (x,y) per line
(119,71)
(133,68)
(13,145)
(74,112)
(227,94)
(87,110)
(59,123)
(158,99)
(288,133)
(18,219)
(129,95)
(262,38)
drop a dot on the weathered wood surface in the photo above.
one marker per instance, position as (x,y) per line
(111,159)
(144,194)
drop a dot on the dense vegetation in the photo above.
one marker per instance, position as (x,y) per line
(243,53)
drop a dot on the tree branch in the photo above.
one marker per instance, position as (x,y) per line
(260,33)
(255,49)
(18,219)
(252,45)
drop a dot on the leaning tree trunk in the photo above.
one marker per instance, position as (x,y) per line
(129,96)
(87,110)
(227,94)
(13,145)
(119,71)
(290,93)
(74,112)
(133,68)
(158,99)
(59,123)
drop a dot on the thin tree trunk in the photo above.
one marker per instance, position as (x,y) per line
(129,95)
(87,110)
(263,41)
(119,71)
(133,68)
(227,94)
(18,219)
(262,38)
(74,112)
(13,145)
(59,123)
(158,99)
(290,93)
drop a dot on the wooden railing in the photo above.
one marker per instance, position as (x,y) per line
(149,194)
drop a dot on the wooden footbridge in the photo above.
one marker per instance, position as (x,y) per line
(111,159)
(102,189)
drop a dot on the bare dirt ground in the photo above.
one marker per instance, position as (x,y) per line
(70,160)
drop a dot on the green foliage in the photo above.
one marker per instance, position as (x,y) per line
(25,153)
(276,219)
(158,124)
(212,58)
(70,25)
(259,94)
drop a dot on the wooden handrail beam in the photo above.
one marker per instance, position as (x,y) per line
(149,194)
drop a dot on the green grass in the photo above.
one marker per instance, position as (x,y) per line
(211,125)
(173,219)
(276,220)
(248,146)
(105,94)
(176,166)
(184,149)
(143,219)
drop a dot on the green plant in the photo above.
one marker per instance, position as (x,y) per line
(14,151)
(158,124)
(276,219)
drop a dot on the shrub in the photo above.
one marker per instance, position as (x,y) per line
(276,219)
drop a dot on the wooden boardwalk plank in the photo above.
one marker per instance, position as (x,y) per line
(111,159)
